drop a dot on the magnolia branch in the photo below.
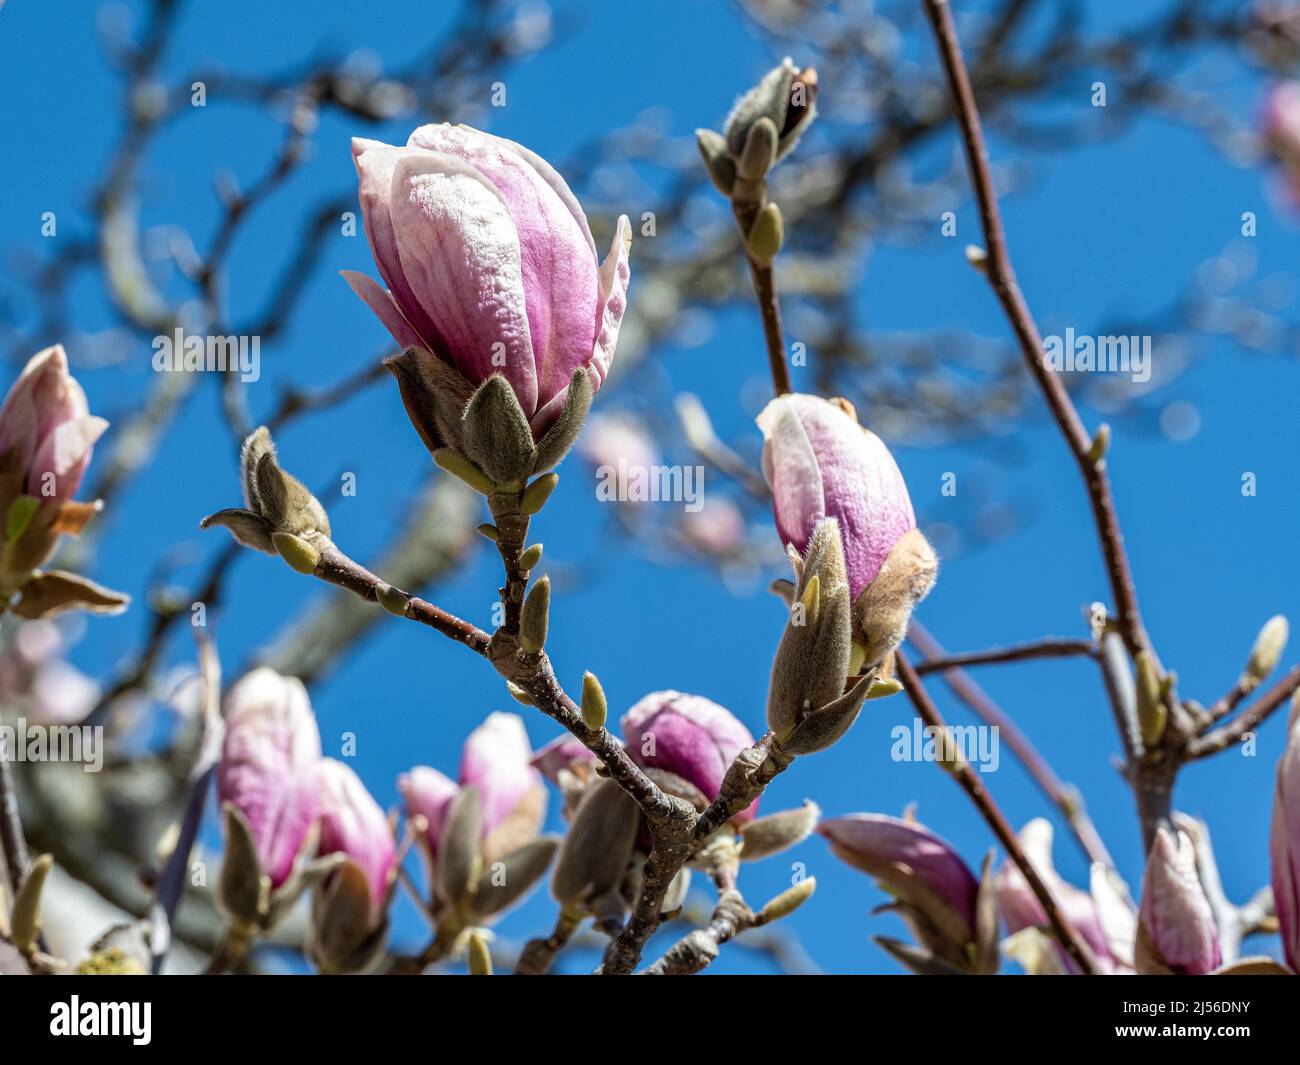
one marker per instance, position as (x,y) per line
(938,660)
(1064,797)
(1002,278)
(970,782)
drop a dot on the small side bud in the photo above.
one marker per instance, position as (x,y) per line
(1151,710)
(392,599)
(459,466)
(480,958)
(594,706)
(518,694)
(535,617)
(1269,645)
(977,257)
(718,163)
(759,153)
(296,551)
(529,557)
(489,532)
(537,493)
(788,901)
(25,922)
(1100,444)
(767,235)
(882,689)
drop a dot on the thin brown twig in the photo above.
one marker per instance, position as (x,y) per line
(1050,647)
(1002,278)
(1249,720)
(970,782)
(1065,797)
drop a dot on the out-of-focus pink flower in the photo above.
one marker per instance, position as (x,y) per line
(689,736)
(718,528)
(563,753)
(821,463)
(47,428)
(1020,906)
(268,765)
(428,794)
(489,262)
(619,441)
(891,847)
(352,824)
(1176,929)
(1284,842)
(497,761)
(1281,121)
(62,694)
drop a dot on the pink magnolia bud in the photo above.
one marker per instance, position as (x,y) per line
(268,765)
(689,736)
(47,428)
(428,794)
(1021,909)
(821,463)
(497,760)
(1176,929)
(1284,843)
(489,262)
(562,754)
(352,824)
(897,852)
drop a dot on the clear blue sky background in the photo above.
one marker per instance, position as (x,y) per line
(1106,231)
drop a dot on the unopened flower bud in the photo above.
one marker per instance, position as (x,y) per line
(786,97)
(25,921)
(788,901)
(774,833)
(1269,645)
(596,850)
(1176,929)
(1284,841)
(594,707)
(535,617)
(821,463)
(689,736)
(491,275)
(279,514)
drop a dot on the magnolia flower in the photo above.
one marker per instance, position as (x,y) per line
(1176,929)
(821,463)
(500,793)
(1284,842)
(620,442)
(936,892)
(47,433)
(35,676)
(352,824)
(47,436)
(492,273)
(268,766)
(690,737)
(717,529)
(563,754)
(1021,909)
(1281,131)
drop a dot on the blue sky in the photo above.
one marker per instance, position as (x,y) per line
(1102,232)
